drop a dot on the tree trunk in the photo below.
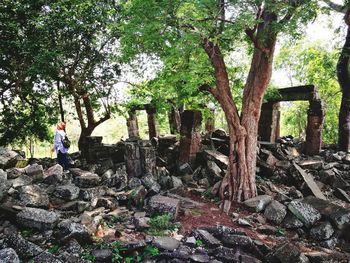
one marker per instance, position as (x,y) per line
(239,181)
(85,132)
(344,82)
(60,101)
(174,120)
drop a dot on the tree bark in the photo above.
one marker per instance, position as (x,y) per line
(344,82)
(174,120)
(239,181)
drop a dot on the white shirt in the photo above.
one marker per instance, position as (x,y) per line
(60,134)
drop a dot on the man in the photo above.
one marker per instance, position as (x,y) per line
(61,151)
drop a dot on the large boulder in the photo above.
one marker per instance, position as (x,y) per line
(159,204)
(166,243)
(37,218)
(35,171)
(284,253)
(67,192)
(33,195)
(8,255)
(304,212)
(24,248)
(54,174)
(67,230)
(8,158)
(323,231)
(258,203)
(5,185)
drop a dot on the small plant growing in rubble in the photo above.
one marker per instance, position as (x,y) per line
(199,242)
(54,249)
(150,251)
(160,225)
(88,256)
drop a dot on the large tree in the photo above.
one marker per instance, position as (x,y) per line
(344,79)
(216,28)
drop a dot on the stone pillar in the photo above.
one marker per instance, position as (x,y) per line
(133,126)
(314,128)
(152,121)
(269,122)
(132,159)
(148,157)
(174,120)
(190,136)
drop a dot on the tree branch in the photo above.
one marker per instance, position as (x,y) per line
(252,37)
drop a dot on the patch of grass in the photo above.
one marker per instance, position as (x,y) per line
(160,225)
(54,249)
(199,243)
(27,232)
(150,251)
(88,256)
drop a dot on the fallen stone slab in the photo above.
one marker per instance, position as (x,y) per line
(163,204)
(304,212)
(337,215)
(166,243)
(342,195)
(236,240)
(309,180)
(37,218)
(67,230)
(35,171)
(207,238)
(25,249)
(33,195)
(258,203)
(87,181)
(46,257)
(75,206)
(5,186)
(8,255)
(54,174)
(21,181)
(217,157)
(311,164)
(275,212)
(292,222)
(67,192)
(323,231)
(8,158)
(14,173)
(284,253)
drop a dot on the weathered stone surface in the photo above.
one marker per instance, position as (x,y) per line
(284,253)
(67,230)
(217,157)
(14,173)
(322,232)
(176,182)
(304,212)
(33,195)
(138,195)
(8,158)
(314,164)
(46,257)
(309,180)
(225,254)
(87,194)
(204,258)
(291,222)
(102,255)
(24,248)
(67,192)
(163,204)
(5,185)
(35,171)
(21,180)
(54,174)
(236,240)
(166,243)
(342,195)
(338,215)
(8,255)
(87,181)
(37,218)
(150,182)
(275,212)
(108,203)
(75,206)
(207,238)
(258,203)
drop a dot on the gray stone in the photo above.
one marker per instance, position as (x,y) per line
(225,254)
(322,232)
(46,257)
(108,203)
(54,174)
(207,238)
(8,158)
(185,169)
(67,230)
(329,243)
(24,248)
(8,255)
(258,203)
(284,253)
(342,195)
(14,173)
(204,258)
(291,222)
(102,255)
(150,182)
(33,195)
(176,182)
(138,195)
(214,170)
(304,212)
(87,194)
(35,171)
(134,182)
(166,243)
(75,206)
(220,159)
(21,181)
(190,241)
(159,204)
(87,181)
(37,218)
(338,215)
(236,240)
(5,186)
(67,192)
(313,164)
(275,212)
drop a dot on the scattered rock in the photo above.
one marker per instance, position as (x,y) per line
(163,204)
(275,212)
(304,212)
(284,253)
(37,218)
(33,195)
(258,203)
(8,255)
(166,243)
(67,230)
(322,232)
(35,171)
(24,248)
(207,238)
(67,192)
